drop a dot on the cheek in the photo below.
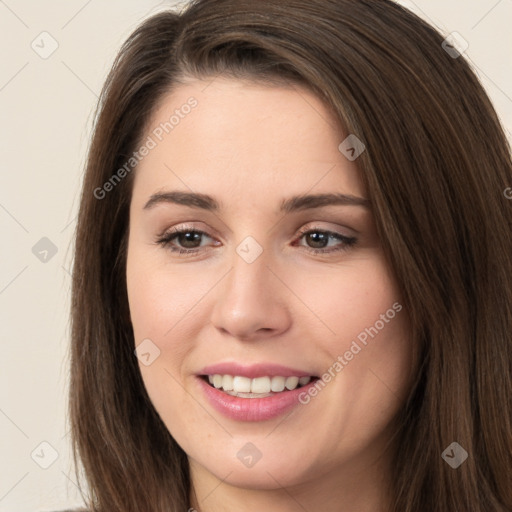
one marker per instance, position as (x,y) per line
(348,300)
(161,297)
(159,301)
(366,344)
(164,303)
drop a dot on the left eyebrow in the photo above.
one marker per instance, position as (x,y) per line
(306,202)
(292,204)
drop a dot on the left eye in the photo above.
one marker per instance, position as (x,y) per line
(321,237)
(190,240)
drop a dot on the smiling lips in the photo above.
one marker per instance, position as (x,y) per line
(253,393)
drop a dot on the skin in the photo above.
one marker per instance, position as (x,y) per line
(251,146)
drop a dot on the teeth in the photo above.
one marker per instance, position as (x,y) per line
(304,380)
(227,383)
(217,381)
(291,382)
(260,385)
(241,384)
(278,384)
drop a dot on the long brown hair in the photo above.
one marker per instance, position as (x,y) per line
(436,166)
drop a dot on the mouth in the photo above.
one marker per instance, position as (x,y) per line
(259,387)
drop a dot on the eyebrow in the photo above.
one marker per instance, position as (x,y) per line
(292,204)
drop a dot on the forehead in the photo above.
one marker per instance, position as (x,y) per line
(233,139)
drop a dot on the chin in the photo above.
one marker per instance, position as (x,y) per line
(264,478)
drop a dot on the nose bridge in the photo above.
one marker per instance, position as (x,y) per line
(250,297)
(250,275)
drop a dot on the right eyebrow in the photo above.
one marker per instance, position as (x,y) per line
(191,199)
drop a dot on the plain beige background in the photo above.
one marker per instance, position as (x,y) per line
(46,104)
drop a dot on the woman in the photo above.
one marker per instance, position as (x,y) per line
(293,275)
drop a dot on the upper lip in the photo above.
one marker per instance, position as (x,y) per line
(254,370)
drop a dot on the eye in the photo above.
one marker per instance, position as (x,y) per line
(186,236)
(320,239)
(190,240)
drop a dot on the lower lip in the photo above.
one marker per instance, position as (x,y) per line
(253,409)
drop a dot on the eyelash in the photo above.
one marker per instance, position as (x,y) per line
(166,239)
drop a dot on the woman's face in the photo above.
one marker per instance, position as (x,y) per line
(275,287)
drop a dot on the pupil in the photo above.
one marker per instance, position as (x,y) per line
(184,237)
(321,238)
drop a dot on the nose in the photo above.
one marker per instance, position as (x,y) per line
(251,300)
